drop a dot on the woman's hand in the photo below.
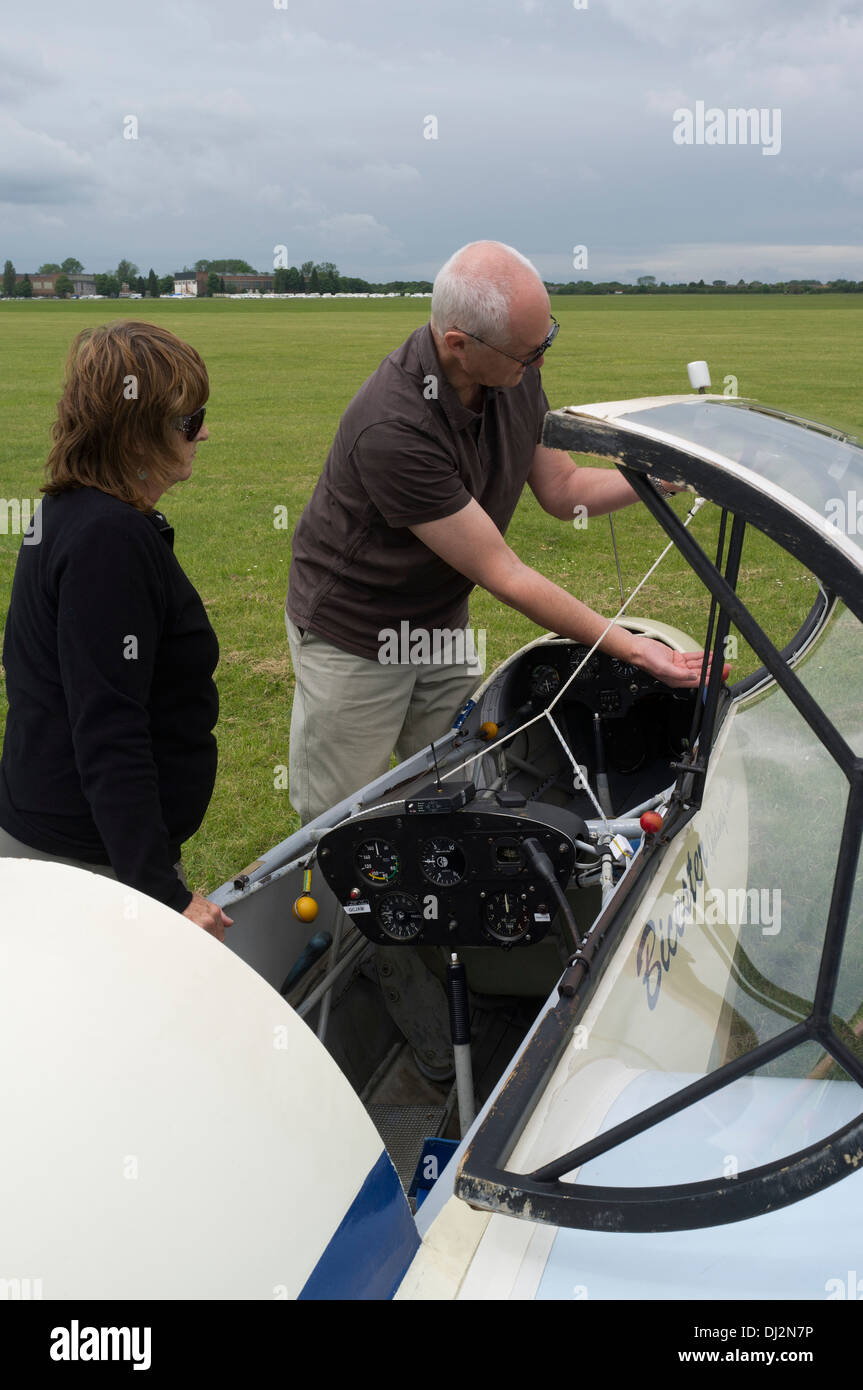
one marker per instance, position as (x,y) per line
(208,916)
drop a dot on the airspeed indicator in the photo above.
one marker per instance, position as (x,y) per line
(377,861)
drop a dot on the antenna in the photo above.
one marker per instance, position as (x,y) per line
(436,768)
(699,376)
(617,561)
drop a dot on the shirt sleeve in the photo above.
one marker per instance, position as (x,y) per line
(407,475)
(112,607)
(543,408)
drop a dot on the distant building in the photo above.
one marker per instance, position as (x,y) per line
(190,282)
(44,285)
(194,282)
(244,282)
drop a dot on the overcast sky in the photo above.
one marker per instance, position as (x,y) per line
(555,128)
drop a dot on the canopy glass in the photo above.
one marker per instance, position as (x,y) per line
(819,466)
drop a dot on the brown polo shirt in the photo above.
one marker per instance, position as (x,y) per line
(407,451)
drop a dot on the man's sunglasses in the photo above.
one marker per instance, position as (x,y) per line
(190,425)
(525,361)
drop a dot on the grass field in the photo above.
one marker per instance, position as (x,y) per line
(281,372)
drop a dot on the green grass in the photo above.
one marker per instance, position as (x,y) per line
(281,373)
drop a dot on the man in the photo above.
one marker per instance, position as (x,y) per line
(426,470)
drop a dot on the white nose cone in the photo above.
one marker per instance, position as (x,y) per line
(699,375)
(171,1128)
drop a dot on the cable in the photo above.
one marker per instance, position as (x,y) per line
(697,504)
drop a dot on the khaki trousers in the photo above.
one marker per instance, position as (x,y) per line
(350,714)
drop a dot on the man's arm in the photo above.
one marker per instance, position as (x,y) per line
(560,485)
(470,542)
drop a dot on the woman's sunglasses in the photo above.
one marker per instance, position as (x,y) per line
(191,424)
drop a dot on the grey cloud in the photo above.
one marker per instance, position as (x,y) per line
(259,126)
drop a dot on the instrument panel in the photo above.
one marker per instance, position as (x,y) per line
(605,684)
(613,714)
(462,878)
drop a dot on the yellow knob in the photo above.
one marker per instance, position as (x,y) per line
(489,730)
(305,908)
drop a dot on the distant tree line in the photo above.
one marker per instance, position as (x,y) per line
(153,285)
(310,278)
(647,284)
(324,278)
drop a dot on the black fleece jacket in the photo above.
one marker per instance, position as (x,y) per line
(108,754)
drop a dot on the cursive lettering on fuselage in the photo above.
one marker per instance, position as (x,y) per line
(659,941)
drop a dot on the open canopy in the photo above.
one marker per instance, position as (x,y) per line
(703,1062)
(798,481)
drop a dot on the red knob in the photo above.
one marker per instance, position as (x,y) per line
(650,822)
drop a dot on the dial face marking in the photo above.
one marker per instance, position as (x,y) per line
(442,862)
(591,666)
(377,861)
(622,668)
(506,916)
(400,916)
(544,680)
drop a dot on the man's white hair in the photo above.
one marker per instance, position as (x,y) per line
(474,299)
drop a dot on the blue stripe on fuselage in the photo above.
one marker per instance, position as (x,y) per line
(373,1245)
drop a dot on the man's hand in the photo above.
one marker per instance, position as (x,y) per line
(208,916)
(674,668)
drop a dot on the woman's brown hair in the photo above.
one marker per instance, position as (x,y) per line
(126,386)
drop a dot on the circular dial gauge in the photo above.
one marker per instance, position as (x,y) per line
(399,916)
(442,862)
(622,668)
(506,917)
(590,667)
(377,862)
(544,680)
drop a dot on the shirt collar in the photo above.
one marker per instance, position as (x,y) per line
(458,414)
(162,525)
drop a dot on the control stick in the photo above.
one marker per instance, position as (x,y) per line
(459,1022)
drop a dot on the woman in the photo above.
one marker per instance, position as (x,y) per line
(109,759)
